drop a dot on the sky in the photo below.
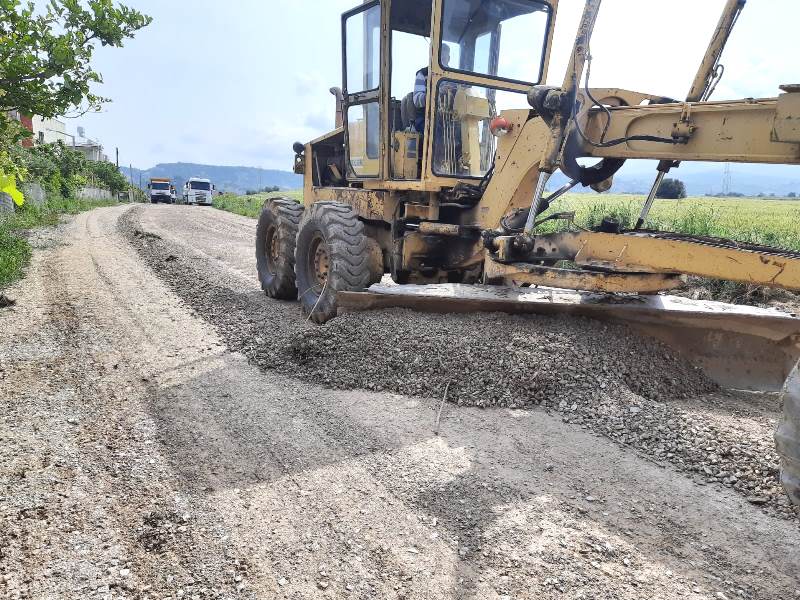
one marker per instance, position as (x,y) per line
(237,82)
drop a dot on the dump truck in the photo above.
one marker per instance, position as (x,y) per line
(443,187)
(160,189)
(198,191)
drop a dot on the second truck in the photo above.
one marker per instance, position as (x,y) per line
(198,191)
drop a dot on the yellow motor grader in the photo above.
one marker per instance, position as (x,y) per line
(437,170)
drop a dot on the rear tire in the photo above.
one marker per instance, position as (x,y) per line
(787,436)
(333,254)
(275,242)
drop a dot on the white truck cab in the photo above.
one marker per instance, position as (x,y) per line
(198,191)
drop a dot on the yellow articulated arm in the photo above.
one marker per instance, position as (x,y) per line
(753,131)
(646,261)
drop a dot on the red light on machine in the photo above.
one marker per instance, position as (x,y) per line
(499,126)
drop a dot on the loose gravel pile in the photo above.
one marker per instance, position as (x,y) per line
(604,377)
(490,359)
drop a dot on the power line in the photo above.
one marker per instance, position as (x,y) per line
(726,180)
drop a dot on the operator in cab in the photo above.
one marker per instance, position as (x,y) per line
(421,90)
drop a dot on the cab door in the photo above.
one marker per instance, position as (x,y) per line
(362,86)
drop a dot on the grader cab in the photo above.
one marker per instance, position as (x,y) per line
(437,173)
(411,166)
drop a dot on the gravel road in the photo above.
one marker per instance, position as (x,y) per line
(167,432)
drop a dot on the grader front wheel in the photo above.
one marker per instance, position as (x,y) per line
(275,242)
(333,254)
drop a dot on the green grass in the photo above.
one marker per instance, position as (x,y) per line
(250,206)
(15,252)
(774,222)
(14,255)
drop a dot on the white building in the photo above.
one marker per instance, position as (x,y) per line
(47,131)
(91,149)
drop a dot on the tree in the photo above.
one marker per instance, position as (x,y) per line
(108,174)
(671,189)
(45,58)
(792,195)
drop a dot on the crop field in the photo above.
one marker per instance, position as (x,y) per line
(774,222)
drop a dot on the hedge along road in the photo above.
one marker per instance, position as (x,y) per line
(141,456)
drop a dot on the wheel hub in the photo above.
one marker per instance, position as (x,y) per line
(272,249)
(320,262)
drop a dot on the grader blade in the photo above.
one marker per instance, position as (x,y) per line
(787,436)
(740,347)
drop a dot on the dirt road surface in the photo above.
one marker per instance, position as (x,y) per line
(141,456)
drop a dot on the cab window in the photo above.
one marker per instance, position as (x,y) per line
(362,32)
(501,40)
(463,146)
(410,54)
(362,74)
(504,39)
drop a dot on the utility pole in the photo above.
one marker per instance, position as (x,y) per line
(117,151)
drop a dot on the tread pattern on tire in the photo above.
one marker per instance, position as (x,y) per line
(286,214)
(348,256)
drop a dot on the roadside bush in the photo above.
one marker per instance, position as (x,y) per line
(14,255)
(107,175)
(62,171)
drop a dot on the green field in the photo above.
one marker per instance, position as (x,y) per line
(14,248)
(774,222)
(250,206)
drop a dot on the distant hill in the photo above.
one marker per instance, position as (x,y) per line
(227,179)
(635,177)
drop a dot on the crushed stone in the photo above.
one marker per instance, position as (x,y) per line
(600,376)
(491,359)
